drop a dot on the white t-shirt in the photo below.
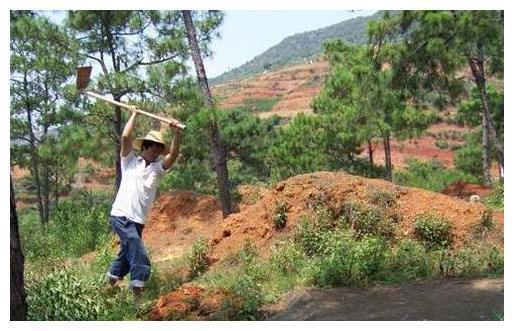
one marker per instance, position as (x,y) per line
(137,189)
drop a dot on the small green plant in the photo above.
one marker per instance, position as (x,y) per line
(485,224)
(367,220)
(442,144)
(280,215)
(435,232)
(62,296)
(309,234)
(495,199)
(431,175)
(383,199)
(199,258)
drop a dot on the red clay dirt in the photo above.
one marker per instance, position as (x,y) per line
(294,87)
(190,302)
(180,218)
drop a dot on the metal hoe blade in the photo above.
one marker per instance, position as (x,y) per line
(83,74)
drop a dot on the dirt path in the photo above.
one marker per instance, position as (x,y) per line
(439,300)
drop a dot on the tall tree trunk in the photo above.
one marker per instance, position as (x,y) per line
(486,158)
(18,296)
(477,68)
(117,147)
(387,153)
(370,152)
(220,161)
(34,162)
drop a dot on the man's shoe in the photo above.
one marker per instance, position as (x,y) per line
(137,293)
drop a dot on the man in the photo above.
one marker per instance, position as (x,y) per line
(140,177)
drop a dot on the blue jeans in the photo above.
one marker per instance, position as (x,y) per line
(132,256)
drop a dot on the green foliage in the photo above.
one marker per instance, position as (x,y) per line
(442,144)
(408,260)
(468,157)
(469,111)
(383,199)
(62,296)
(435,232)
(430,175)
(287,257)
(495,200)
(259,105)
(199,258)
(280,215)
(367,220)
(309,234)
(77,226)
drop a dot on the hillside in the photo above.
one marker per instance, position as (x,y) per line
(300,48)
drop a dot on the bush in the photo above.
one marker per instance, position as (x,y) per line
(346,261)
(287,257)
(383,199)
(495,199)
(408,260)
(280,215)
(61,296)
(76,226)
(442,144)
(468,159)
(309,235)
(435,232)
(199,258)
(430,175)
(367,220)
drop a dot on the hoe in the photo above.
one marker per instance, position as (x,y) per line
(83,74)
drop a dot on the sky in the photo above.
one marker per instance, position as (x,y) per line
(246,34)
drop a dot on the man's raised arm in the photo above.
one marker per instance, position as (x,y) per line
(126,139)
(170,158)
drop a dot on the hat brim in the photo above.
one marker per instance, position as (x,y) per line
(138,142)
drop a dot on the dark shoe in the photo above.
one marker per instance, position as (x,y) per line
(137,293)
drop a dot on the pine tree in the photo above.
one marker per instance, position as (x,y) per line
(217,149)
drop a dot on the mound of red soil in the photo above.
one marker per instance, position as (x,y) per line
(464,190)
(180,218)
(177,220)
(255,223)
(192,303)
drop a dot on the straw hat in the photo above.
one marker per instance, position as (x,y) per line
(155,136)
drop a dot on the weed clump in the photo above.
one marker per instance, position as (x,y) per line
(435,232)
(280,215)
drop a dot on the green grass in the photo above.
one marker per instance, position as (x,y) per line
(430,175)
(258,105)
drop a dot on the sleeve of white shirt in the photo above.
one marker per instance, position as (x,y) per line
(160,169)
(125,160)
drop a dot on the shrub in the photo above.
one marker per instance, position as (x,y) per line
(430,175)
(309,235)
(442,144)
(495,199)
(199,258)
(367,220)
(287,257)
(61,296)
(280,215)
(383,199)
(76,226)
(435,232)
(408,260)
(468,159)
